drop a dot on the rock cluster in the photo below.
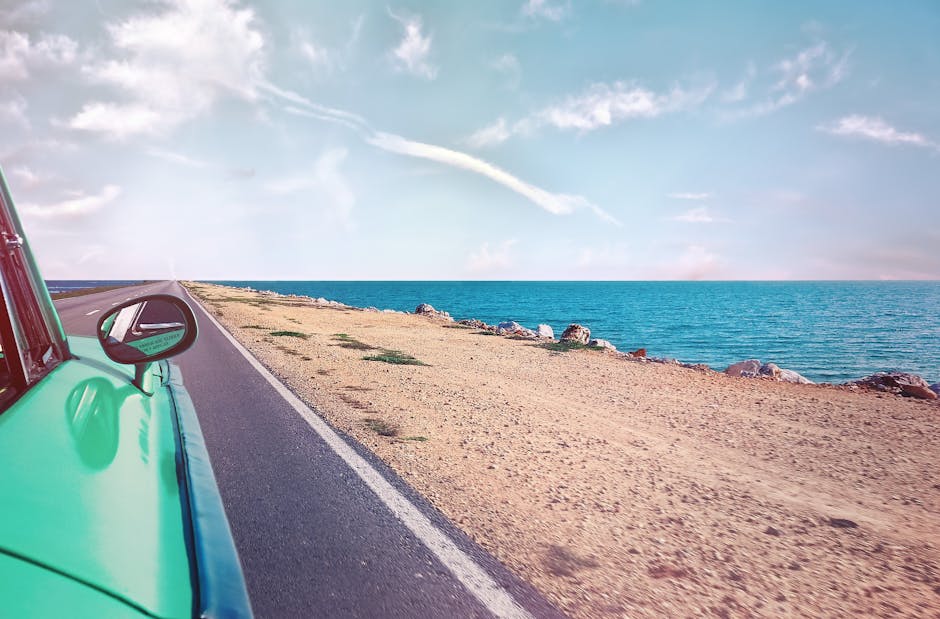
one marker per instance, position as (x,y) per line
(753,368)
(514,328)
(576,333)
(425,309)
(909,385)
(898,383)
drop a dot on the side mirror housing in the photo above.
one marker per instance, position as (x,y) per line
(146,329)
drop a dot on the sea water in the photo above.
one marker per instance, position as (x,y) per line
(827,331)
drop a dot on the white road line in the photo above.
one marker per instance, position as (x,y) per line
(477,581)
(113,304)
(92,312)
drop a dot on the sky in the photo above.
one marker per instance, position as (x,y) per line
(502,139)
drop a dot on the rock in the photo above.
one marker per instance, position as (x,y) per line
(935,388)
(789,376)
(639,352)
(751,367)
(770,369)
(425,309)
(772,531)
(576,333)
(843,523)
(508,327)
(545,331)
(602,344)
(898,383)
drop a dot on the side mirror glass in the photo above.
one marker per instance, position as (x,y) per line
(147,329)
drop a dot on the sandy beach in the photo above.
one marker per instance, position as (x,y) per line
(621,488)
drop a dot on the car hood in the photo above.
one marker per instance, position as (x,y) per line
(89,487)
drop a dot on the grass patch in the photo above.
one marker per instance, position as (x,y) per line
(254,327)
(455,326)
(566,346)
(418,439)
(288,351)
(380,427)
(485,333)
(346,341)
(302,336)
(395,357)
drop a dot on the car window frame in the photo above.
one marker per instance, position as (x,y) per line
(34,342)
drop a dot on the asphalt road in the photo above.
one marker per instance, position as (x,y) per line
(313,538)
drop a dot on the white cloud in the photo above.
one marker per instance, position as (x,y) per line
(698,215)
(487,259)
(13,111)
(602,105)
(546,10)
(18,53)
(876,129)
(78,205)
(411,54)
(173,66)
(497,133)
(687,195)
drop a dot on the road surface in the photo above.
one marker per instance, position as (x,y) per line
(313,538)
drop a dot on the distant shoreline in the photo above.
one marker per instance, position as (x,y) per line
(829,332)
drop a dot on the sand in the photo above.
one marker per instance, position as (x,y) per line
(620,488)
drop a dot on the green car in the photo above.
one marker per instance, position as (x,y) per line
(108,503)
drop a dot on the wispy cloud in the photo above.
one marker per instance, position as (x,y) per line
(75,206)
(543,9)
(497,133)
(697,215)
(178,158)
(508,64)
(488,259)
(813,68)
(324,59)
(411,55)
(601,105)
(173,66)
(687,195)
(877,130)
(555,203)
(739,91)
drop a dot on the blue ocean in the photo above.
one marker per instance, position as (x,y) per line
(827,331)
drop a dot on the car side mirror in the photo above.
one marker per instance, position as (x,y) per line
(146,329)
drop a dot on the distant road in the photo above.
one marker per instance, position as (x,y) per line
(314,539)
